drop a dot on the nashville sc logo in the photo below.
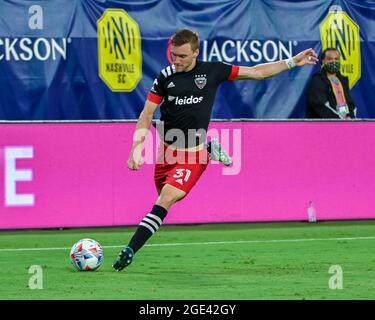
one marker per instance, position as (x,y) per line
(119,50)
(339,31)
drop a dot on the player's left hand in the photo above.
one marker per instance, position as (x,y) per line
(307,56)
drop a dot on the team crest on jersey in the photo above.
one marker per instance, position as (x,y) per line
(200,81)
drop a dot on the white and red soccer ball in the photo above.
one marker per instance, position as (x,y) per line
(86,255)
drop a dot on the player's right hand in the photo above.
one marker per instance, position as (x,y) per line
(135,159)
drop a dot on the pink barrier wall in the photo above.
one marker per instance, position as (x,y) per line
(74,174)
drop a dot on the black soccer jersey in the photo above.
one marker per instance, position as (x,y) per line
(188,98)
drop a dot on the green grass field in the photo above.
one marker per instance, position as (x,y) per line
(222,261)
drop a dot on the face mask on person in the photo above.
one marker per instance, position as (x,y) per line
(332,67)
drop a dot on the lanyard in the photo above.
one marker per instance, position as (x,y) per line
(334,88)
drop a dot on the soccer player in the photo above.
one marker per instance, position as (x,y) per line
(186,91)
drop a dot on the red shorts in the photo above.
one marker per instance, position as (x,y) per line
(181,169)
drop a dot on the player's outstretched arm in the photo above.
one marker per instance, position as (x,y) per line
(141,130)
(267,70)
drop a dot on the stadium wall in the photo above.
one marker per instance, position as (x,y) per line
(74,174)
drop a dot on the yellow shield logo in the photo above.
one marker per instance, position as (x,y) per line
(339,31)
(119,50)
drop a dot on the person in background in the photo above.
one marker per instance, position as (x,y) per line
(328,93)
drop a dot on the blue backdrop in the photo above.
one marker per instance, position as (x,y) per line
(57,64)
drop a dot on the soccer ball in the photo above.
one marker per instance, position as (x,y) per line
(86,255)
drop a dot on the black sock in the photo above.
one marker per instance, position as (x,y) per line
(148,226)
